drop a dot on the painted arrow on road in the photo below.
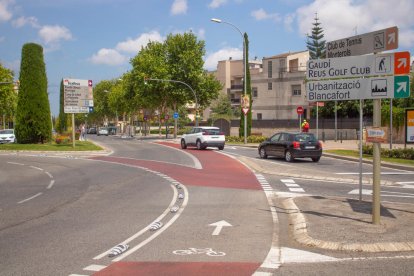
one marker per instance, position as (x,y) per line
(219,225)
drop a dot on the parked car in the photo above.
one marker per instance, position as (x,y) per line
(7,136)
(289,146)
(103,131)
(92,130)
(203,137)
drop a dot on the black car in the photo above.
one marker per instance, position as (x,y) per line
(289,146)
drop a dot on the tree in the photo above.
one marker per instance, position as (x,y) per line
(33,121)
(63,118)
(221,108)
(315,42)
(8,97)
(179,58)
(248,90)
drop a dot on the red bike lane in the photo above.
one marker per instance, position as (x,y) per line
(219,171)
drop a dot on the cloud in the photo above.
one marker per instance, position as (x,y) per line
(5,14)
(22,21)
(214,4)
(108,57)
(135,45)
(261,14)
(54,34)
(179,7)
(2,38)
(343,18)
(212,59)
(288,22)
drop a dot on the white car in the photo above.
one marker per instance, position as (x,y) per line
(7,136)
(203,137)
(103,131)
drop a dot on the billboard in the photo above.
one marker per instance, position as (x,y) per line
(409,125)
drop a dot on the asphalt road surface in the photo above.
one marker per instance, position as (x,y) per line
(180,212)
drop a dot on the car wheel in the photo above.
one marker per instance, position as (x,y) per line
(316,159)
(288,156)
(221,148)
(262,153)
(198,145)
(183,144)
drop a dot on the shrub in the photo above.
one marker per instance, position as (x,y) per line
(394,153)
(62,139)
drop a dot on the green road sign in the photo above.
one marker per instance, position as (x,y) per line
(401,87)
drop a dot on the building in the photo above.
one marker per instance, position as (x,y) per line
(230,73)
(279,89)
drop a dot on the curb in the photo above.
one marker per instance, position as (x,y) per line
(300,234)
(258,168)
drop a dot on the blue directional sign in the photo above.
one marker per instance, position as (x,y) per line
(175,115)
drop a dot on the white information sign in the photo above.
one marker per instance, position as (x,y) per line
(378,41)
(78,96)
(359,66)
(358,88)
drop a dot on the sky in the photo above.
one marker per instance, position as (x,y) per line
(95,39)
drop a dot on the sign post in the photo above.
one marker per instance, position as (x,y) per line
(299,111)
(78,98)
(342,76)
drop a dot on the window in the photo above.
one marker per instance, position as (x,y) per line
(296,90)
(269,86)
(254,92)
(269,69)
(259,116)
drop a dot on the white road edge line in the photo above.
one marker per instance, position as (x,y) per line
(37,168)
(15,163)
(27,199)
(142,231)
(159,232)
(51,184)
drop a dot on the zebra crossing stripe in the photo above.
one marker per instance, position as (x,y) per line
(117,250)
(156,225)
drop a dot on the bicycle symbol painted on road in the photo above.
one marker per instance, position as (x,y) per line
(196,251)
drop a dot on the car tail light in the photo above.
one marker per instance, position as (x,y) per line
(320,144)
(221,133)
(296,145)
(205,133)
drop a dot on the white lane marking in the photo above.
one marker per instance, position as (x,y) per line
(94,267)
(145,229)
(156,234)
(14,163)
(49,174)
(383,193)
(51,184)
(292,185)
(382,173)
(36,168)
(298,190)
(272,260)
(30,198)
(408,186)
(290,255)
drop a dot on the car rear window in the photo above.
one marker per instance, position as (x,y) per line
(6,131)
(212,131)
(305,137)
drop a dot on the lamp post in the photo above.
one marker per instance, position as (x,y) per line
(195,96)
(216,20)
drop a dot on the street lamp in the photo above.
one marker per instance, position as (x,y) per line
(216,20)
(192,90)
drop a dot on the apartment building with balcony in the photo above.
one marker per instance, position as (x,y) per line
(280,88)
(230,73)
